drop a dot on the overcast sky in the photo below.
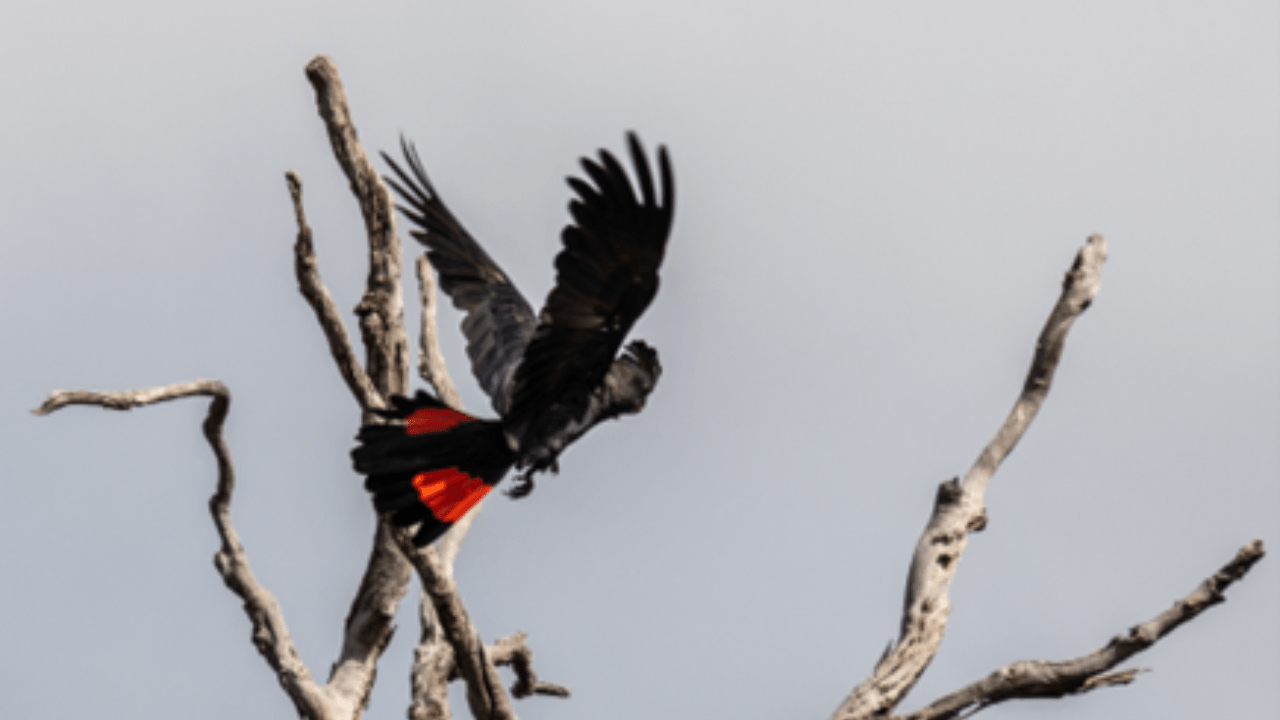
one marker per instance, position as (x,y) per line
(876,203)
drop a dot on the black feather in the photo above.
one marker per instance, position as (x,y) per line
(551,376)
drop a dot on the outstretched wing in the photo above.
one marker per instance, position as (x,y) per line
(499,322)
(606,275)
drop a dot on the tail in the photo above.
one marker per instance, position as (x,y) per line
(432,468)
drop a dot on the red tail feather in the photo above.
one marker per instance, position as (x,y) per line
(435,419)
(450,493)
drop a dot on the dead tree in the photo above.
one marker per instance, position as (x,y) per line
(451,647)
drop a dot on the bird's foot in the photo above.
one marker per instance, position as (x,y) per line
(521,485)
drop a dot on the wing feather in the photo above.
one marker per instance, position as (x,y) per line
(606,276)
(499,322)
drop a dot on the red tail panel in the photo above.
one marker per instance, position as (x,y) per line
(450,493)
(434,420)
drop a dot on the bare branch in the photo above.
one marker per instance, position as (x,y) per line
(431,367)
(382,328)
(1079,288)
(451,542)
(368,626)
(370,621)
(433,668)
(513,651)
(313,289)
(270,633)
(430,360)
(1046,679)
(485,695)
(959,510)
(381,310)
(127,399)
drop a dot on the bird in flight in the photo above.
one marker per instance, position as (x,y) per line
(551,377)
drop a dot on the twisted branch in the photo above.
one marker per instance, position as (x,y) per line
(270,633)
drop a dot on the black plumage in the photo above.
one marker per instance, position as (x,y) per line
(551,377)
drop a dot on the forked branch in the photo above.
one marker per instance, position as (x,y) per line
(959,510)
(512,651)
(454,642)
(307,270)
(485,695)
(1049,679)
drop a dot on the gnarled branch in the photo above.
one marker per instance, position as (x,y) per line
(485,695)
(270,633)
(514,652)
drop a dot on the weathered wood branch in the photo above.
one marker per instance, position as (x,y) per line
(435,665)
(370,621)
(368,627)
(431,364)
(270,633)
(129,399)
(381,310)
(431,367)
(486,697)
(433,668)
(514,652)
(1079,287)
(959,510)
(382,328)
(433,659)
(1049,679)
(317,295)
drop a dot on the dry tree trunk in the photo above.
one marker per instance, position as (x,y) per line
(450,647)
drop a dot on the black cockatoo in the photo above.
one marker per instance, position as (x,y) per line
(551,377)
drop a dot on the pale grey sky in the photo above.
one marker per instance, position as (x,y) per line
(876,203)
